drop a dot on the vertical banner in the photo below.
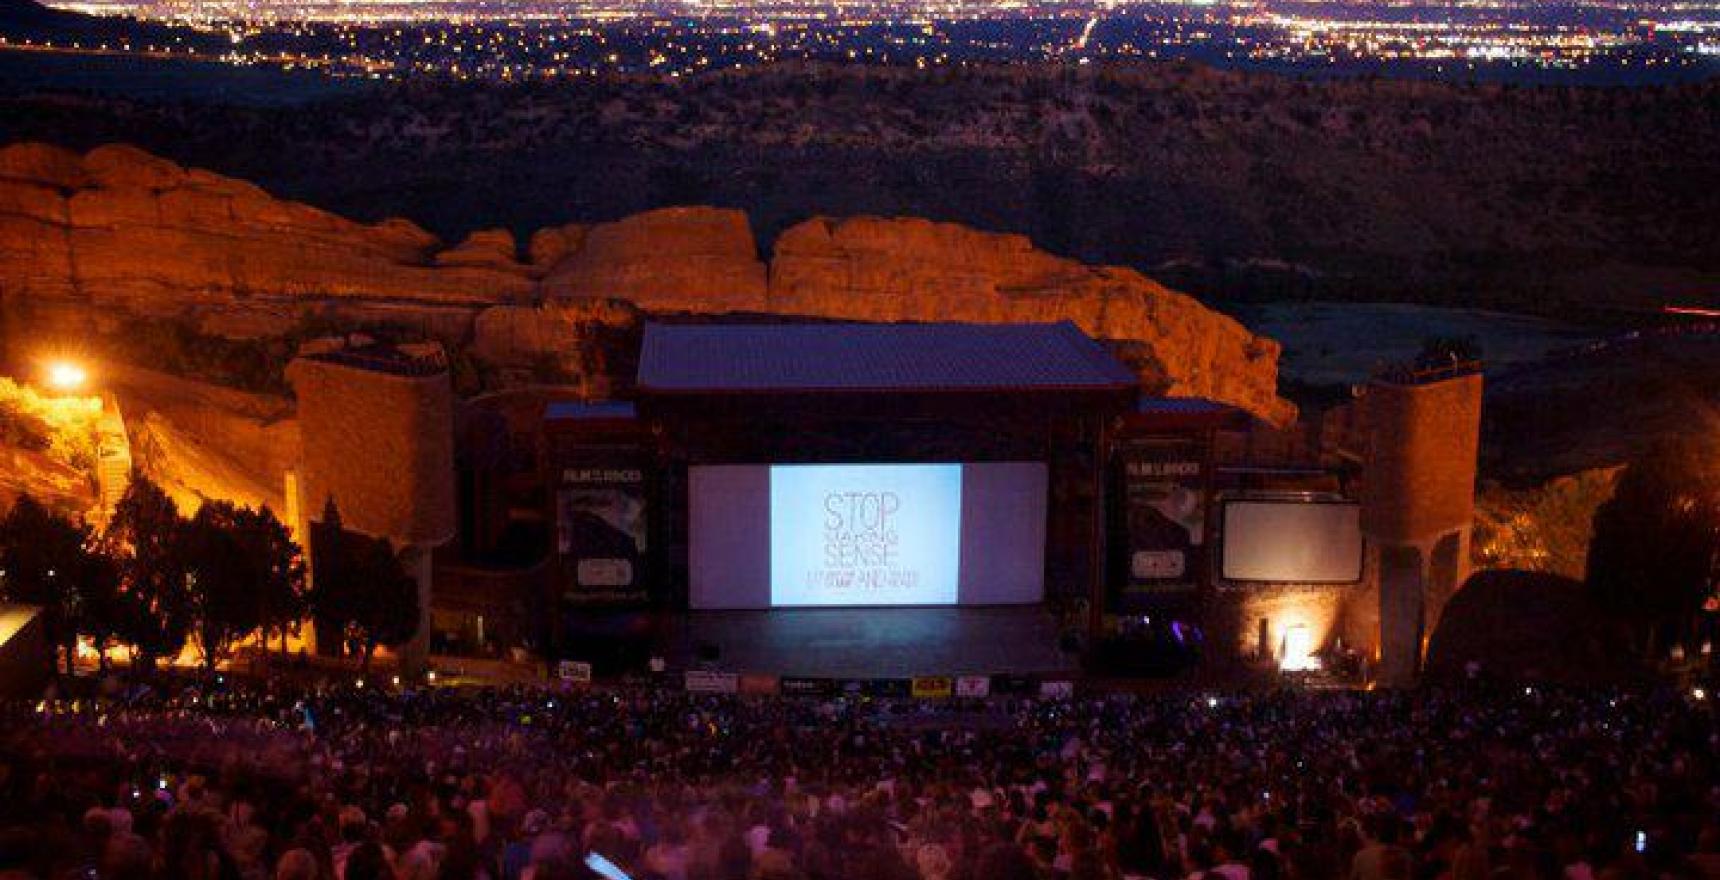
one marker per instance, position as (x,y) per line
(600,523)
(1164,508)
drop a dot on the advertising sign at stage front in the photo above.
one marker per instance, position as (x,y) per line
(600,532)
(806,687)
(1164,510)
(759,684)
(700,681)
(973,686)
(1057,690)
(932,687)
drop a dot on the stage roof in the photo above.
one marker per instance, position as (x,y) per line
(760,358)
(601,410)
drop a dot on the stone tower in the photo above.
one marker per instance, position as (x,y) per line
(1423,433)
(378,428)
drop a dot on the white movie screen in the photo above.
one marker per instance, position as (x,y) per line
(1292,542)
(799,536)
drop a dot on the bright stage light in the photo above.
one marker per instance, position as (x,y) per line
(66,376)
(1298,650)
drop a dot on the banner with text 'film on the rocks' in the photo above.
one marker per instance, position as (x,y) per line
(1164,502)
(601,532)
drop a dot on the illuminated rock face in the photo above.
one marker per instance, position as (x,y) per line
(119,226)
(118,231)
(889,269)
(696,259)
(379,442)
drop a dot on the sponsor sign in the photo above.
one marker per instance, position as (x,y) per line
(1014,685)
(573,670)
(890,687)
(758,684)
(1164,516)
(806,687)
(933,687)
(604,573)
(973,686)
(601,530)
(1057,690)
(701,682)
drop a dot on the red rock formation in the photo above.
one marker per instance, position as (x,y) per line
(118,225)
(884,269)
(118,231)
(695,259)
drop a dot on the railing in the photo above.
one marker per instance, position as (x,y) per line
(393,362)
(1426,373)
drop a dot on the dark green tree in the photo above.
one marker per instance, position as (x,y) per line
(146,534)
(221,580)
(1653,555)
(277,573)
(386,610)
(331,575)
(47,560)
(361,589)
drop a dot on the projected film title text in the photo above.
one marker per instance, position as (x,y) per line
(862,542)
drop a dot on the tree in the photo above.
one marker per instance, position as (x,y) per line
(154,613)
(386,610)
(277,574)
(1652,559)
(220,580)
(330,577)
(47,560)
(361,589)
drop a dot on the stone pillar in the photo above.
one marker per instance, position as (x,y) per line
(415,655)
(378,429)
(1418,503)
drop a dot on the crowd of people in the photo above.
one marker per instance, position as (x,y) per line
(352,783)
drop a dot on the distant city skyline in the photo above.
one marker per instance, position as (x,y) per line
(532,39)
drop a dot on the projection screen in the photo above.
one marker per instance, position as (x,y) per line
(1302,542)
(781,536)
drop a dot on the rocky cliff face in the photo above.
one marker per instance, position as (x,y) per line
(117,226)
(877,269)
(117,231)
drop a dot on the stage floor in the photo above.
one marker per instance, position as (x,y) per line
(875,642)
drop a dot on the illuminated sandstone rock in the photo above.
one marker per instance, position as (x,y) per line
(377,428)
(566,332)
(885,269)
(672,259)
(549,245)
(486,248)
(199,441)
(119,232)
(118,225)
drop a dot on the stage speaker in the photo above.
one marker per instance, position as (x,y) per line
(708,652)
